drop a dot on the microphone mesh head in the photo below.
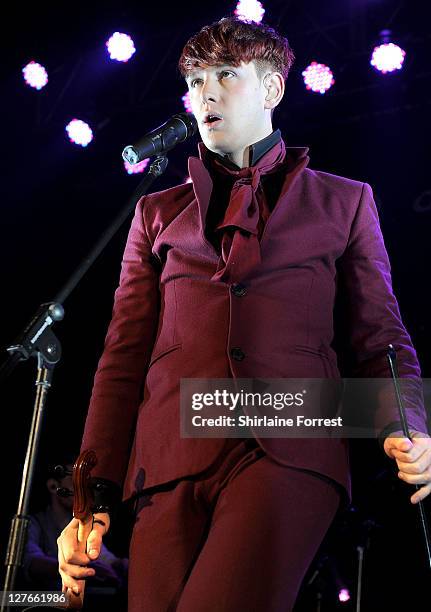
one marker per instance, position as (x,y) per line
(130,155)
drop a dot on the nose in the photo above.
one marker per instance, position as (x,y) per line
(209,91)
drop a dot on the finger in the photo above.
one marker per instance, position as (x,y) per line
(94,544)
(75,558)
(392,445)
(70,574)
(99,529)
(411,455)
(421,494)
(74,573)
(71,554)
(70,584)
(73,570)
(422,463)
(401,444)
(423,478)
(65,589)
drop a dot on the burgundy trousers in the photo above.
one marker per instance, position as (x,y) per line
(238,537)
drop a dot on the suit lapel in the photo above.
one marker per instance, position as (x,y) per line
(288,191)
(202,186)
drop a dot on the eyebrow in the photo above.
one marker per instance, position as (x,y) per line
(192,74)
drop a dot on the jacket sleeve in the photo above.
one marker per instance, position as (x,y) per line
(121,371)
(374,322)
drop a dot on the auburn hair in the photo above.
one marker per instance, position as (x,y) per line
(232,41)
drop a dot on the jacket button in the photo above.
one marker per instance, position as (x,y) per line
(237,354)
(238,289)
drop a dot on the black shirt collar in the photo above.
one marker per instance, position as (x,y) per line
(257,150)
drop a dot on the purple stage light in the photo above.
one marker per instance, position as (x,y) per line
(35,75)
(186,102)
(318,77)
(136,168)
(120,47)
(249,10)
(387,57)
(79,132)
(343,595)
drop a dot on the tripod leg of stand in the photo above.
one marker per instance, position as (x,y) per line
(18,532)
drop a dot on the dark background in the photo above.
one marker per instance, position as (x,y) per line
(57,198)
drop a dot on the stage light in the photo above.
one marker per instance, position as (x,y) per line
(249,10)
(318,77)
(120,47)
(343,595)
(186,102)
(387,56)
(79,132)
(188,179)
(35,75)
(136,168)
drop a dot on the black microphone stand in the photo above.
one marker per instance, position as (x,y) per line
(38,340)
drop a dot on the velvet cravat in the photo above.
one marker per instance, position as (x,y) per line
(242,221)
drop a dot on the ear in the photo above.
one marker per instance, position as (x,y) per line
(274,84)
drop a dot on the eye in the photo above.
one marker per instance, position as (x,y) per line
(194,82)
(226,74)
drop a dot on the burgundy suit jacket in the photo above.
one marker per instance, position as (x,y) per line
(171,321)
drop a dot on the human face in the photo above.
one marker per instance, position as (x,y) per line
(236,95)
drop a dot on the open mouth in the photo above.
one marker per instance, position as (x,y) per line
(212,119)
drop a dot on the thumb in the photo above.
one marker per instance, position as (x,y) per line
(99,529)
(389,445)
(400,443)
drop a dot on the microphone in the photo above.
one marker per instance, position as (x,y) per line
(179,127)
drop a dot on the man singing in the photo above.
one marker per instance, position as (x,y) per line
(235,275)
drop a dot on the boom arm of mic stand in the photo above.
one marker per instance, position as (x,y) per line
(48,313)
